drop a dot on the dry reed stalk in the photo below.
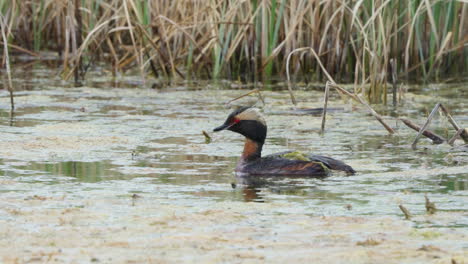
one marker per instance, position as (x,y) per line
(405,212)
(244,95)
(138,54)
(424,127)
(430,206)
(464,133)
(333,84)
(436,139)
(32,53)
(369,108)
(85,44)
(393,65)
(79,40)
(207,136)
(457,135)
(353,39)
(6,57)
(325,103)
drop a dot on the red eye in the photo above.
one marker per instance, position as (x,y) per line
(235,121)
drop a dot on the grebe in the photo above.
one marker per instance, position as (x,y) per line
(250,123)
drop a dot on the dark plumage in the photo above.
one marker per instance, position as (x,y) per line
(251,124)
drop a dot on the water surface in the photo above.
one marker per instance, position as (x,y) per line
(95,147)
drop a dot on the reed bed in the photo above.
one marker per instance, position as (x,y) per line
(248,40)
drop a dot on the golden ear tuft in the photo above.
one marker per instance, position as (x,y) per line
(251,114)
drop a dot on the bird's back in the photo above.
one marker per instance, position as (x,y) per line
(293,163)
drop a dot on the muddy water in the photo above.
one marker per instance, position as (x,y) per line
(118,172)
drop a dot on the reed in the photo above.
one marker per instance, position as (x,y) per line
(6,62)
(251,40)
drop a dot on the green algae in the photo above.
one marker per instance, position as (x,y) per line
(296,155)
(426,234)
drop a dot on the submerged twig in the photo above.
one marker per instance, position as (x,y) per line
(325,103)
(405,212)
(430,206)
(12,118)
(436,139)
(424,127)
(134,198)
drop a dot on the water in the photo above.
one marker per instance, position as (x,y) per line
(117,152)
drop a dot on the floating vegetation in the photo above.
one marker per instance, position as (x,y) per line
(133,173)
(369,242)
(430,206)
(207,137)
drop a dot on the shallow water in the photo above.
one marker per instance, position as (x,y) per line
(92,148)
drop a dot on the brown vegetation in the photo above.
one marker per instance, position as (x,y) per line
(355,40)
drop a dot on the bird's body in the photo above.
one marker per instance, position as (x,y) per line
(251,124)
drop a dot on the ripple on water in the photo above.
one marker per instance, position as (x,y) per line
(96,135)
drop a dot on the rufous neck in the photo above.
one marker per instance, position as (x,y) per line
(252,150)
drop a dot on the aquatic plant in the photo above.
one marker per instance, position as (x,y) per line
(247,40)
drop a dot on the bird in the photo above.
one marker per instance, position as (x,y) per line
(249,122)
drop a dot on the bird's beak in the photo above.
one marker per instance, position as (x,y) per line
(223,127)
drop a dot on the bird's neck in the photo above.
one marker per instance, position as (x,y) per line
(252,150)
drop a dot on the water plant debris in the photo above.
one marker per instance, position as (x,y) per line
(405,212)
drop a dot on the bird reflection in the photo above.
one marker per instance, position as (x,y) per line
(253,187)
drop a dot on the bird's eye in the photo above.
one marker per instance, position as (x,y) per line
(235,121)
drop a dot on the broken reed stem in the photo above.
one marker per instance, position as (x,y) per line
(18,48)
(293,99)
(261,97)
(436,139)
(207,137)
(405,212)
(165,59)
(133,39)
(457,135)
(324,70)
(464,133)
(244,95)
(325,103)
(78,34)
(369,108)
(12,100)
(424,127)
(333,83)
(7,63)
(430,206)
(377,116)
(393,65)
